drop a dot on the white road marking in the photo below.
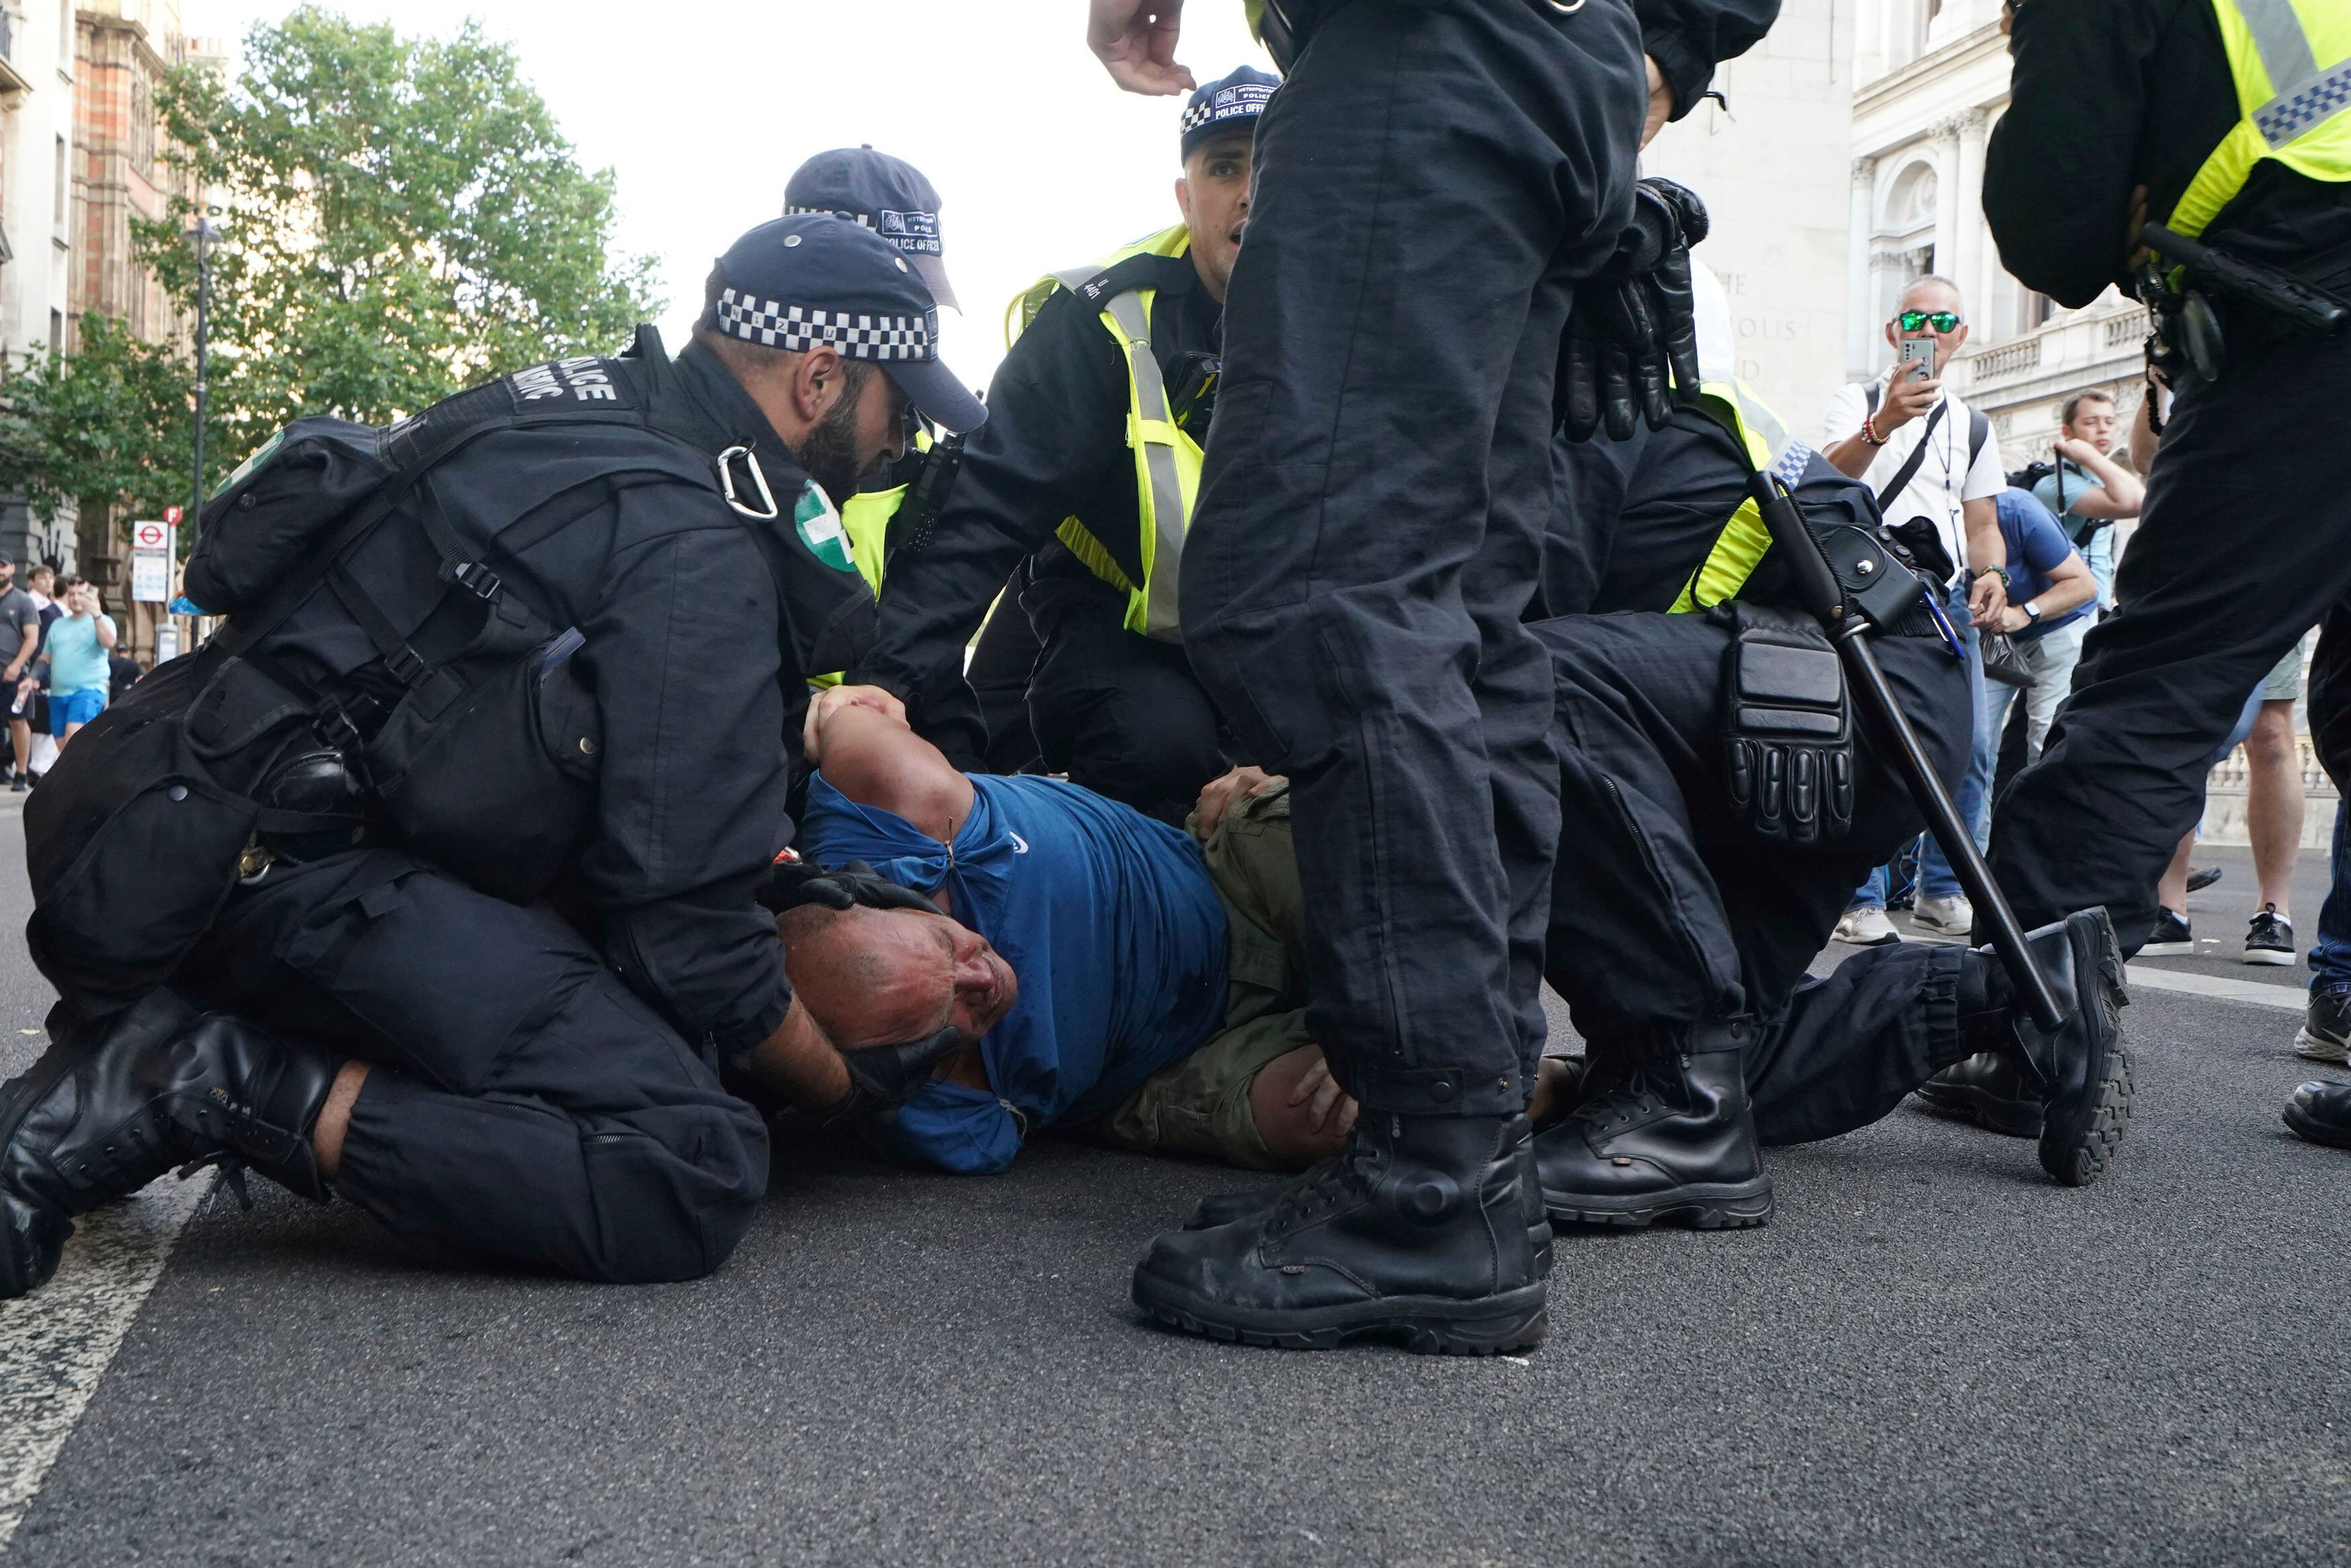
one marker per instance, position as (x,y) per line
(2292,998)
(56,1344)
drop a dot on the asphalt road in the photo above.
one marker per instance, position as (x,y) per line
(1932,1356)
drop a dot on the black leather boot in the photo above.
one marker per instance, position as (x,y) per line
(163,1086)
(2077,1072)
(1223,1208)
(2322,1112)
(1680,1140)
(1989,1089)
(1417,1229)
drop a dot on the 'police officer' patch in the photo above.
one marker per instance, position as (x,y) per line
(820,529)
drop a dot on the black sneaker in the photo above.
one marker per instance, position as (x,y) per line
(2198,880)
(2269,939)
(2325,1034)
(2322,1112)
(2171,937)
(1415,1230)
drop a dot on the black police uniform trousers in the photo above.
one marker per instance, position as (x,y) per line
(1118,712)
(2211,600)
(523,1104)
(1669,910)
(1429,181)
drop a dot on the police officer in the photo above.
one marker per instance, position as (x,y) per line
(538,649)
(2226,121)
(1432,181)
(1090,464)
(1691,897)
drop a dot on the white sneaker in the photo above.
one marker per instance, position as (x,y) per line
(1867,927)
(1953,918)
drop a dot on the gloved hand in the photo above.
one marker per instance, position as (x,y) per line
(1635,321)
(793,882)
(1788,750)
(883,1076)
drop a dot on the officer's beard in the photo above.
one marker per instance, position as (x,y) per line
(828,451)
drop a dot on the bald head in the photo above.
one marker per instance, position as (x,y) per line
(871,976)
(1931,292)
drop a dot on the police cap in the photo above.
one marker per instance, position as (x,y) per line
(797,282)
(886,194)
(1231,104)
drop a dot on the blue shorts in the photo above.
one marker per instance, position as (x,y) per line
(74,707)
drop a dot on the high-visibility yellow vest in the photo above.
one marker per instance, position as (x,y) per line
(1166,458)
(867,520)
(2291,61)
(1744,537)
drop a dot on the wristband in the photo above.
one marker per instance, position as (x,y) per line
(1998,571)
(1869,437)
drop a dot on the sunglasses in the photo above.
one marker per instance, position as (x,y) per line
(1942,320)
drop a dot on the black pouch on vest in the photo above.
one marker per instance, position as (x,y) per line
(1787,737)
(134,839)
(453,758)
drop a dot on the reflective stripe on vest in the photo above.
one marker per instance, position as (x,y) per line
(1166,459)
(1744,537)
(2290,61)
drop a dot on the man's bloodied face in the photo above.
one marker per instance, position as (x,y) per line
(876,977)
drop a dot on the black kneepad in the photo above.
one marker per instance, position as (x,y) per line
(1787,734)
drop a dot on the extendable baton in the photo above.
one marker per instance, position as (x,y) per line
(1816,584)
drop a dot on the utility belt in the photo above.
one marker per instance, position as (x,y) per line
(2208,298)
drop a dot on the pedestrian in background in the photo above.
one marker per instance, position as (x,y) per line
(2088,491)
(41,582)
(2051,592)
(78,644)
(1936,471)
(2273,808)
(20,640)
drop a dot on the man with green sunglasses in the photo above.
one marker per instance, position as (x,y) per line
(1935,470)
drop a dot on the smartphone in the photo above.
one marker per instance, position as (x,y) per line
(1919,352)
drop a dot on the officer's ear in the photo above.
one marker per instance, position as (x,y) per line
(1184,197)
(819,381)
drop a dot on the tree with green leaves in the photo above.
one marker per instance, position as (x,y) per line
(400,219)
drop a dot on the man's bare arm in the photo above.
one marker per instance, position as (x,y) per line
(2122,494)
(857,737)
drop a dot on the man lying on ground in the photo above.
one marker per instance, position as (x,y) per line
(1106,972)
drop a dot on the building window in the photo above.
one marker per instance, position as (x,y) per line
(61,185)
(57,331)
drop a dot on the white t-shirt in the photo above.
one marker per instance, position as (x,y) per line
(1945,478)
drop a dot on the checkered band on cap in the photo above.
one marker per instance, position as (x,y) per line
(799,328)
(862,220)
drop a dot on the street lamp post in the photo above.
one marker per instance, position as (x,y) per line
(204,236)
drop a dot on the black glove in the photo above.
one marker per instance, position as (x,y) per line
(1635,321)
(883,1076)
(1787,738)
(791,883)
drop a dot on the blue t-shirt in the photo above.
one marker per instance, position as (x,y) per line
(1108,918)
(2036,547)
(2096,534)
(77,663)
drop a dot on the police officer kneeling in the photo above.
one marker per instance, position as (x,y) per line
(1722,796)
(432,879)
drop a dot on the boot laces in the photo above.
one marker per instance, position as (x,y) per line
(232,1170)
(1339,1175)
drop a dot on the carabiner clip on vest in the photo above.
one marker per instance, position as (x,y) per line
(727,482)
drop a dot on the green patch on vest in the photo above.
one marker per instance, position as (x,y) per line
(820,529)
(269,449)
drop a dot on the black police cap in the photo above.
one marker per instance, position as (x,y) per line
(798,282)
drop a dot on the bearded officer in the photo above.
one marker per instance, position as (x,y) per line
(1432,181)
(545,647)
(1090,464)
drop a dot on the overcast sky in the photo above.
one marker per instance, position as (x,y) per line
(703,110)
